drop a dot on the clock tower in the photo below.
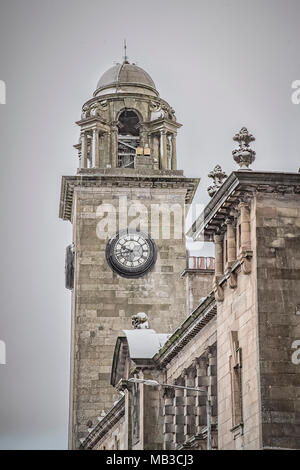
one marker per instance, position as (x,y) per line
(127,205)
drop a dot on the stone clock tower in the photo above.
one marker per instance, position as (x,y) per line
(127,205)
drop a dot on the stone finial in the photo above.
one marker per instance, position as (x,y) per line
(218,176)
(244,155)
(140,321)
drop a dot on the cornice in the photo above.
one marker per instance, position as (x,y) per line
(197,271)
(197,320)
(164,180)
(238,186)
(99,431)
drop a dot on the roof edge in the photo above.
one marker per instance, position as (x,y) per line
(244,180)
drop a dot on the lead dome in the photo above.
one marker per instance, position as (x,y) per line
(125,77)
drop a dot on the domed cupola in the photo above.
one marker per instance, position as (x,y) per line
(127,125)
(126,78)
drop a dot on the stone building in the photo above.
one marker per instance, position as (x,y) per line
(214,359)
(127,207)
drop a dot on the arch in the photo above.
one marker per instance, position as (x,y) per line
(128,124)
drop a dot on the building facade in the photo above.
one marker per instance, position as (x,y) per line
(172,351)
(241,344)
(127,207)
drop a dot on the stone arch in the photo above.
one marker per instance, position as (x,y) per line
(129,126)
(130,109)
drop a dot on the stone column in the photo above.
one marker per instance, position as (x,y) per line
(219,268)
(174,157)
(143,136)
(212,380)
(179,416)
(84,149)
(231,243)
(95,148)
(150,142)
(189,403)
(79,158)
(201,376)
(245,226)
(163,150)
(114,146)
(168,414)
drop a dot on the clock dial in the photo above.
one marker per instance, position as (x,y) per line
(131,253)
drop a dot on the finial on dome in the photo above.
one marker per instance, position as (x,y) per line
(126,61)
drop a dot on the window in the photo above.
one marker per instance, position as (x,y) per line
(235,367)
(128,138)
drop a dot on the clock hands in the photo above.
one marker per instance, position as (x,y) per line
(131,255)
(133,252)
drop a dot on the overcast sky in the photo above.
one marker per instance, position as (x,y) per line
(221,65)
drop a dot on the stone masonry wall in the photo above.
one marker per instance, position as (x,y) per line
(115,439)
(104,302)
(278,281)
(198,285)
(238,312)
(194,348)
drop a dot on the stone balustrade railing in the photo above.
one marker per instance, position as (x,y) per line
(200,262)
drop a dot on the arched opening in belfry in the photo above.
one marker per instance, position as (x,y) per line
(128,138)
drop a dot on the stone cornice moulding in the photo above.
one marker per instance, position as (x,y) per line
(240,185)
(110,420)
(202,315)
(168,181)
(121,95)
(242,264)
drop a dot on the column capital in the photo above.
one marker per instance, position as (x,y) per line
(179,380)
(210,351)
(244,201)
(243,204)
(218,238)
(201,361)
(168,392)
(230,220)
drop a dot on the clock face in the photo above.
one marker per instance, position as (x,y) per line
(131,253)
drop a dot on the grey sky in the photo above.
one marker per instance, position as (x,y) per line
(221,65)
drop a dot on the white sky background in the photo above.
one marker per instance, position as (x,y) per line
(220,64)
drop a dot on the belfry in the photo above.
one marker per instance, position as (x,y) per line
(127,207)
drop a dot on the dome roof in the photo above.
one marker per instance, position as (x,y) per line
(127,75)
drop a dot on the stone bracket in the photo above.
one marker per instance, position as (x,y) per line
(231,277)
(237,430)
(245,257)
(218,290)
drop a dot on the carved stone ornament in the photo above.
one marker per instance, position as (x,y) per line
(244,155)
(95,111)
(218,176)
(85,112)
(162,110)
(140,321)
